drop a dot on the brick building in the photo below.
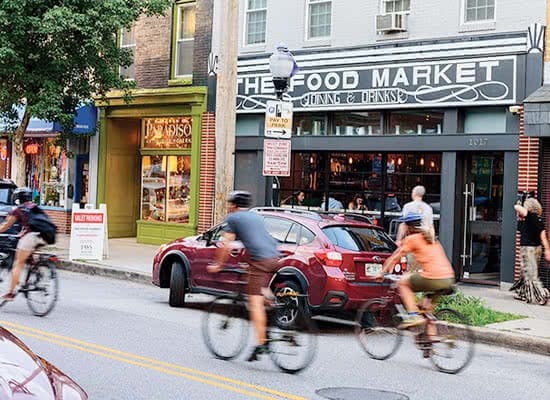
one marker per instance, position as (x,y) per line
(155,152)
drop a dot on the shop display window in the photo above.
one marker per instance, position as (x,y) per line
(165,188)
(415,122)
(308,124)
(357,123)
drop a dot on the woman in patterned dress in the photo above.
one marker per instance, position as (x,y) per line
(532,237)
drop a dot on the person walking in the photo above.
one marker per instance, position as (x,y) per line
(528,287)
(417,206)
(249,228)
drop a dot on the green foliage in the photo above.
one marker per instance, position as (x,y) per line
(474,309)
(55,54)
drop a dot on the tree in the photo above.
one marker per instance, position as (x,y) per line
(55,54)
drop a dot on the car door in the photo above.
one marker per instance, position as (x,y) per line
(204,254)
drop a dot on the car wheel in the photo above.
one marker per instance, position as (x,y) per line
(177,285)
(288,313)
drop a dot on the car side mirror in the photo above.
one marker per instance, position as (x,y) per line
(207,236)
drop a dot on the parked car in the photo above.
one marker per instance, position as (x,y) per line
(24,375)
(6,202)
(333,257)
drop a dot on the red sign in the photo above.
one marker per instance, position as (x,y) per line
(276,157)
(31,148)
(88,218)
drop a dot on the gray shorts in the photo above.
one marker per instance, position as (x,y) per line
(30,241)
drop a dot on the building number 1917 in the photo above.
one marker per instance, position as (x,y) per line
(477,142)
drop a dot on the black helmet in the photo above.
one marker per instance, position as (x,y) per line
(240,198)
(412,219)
(22,194)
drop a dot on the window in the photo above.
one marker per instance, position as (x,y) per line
(360,239)
(310,124)
(415,122)
(292,237)
(128,41)
(357,123)
(256,16)
(319,19)
(278,228)
(185,39)
(396,6)
(306,237)
(479,10)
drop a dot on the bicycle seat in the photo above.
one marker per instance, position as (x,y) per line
(441,292)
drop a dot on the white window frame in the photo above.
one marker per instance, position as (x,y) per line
(383,8)
(245,30)
(127,46)
(481,21)
(178,26)
(308,4)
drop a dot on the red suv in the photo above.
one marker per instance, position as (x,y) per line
(333,257)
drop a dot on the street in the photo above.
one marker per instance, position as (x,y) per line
(121,340)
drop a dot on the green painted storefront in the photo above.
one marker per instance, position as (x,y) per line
(123,150)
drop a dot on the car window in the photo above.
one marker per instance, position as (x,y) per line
(217,233)
(278,228)
(306,236)
(5,196)
(360,239)
(293,234)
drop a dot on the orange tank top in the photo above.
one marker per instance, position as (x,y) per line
(431,256)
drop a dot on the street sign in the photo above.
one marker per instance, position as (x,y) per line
(276,157)
(278,119)
(88,233)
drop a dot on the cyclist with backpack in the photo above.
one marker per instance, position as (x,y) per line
(36,230)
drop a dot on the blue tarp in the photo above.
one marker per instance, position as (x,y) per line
(84,122)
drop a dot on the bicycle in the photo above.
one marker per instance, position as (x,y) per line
(379,318)
(225,327)
(40,286)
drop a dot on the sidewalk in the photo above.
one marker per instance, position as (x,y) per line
(133,261)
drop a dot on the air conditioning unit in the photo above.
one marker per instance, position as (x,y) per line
(391,22)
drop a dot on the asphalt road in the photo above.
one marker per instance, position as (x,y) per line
(122,341)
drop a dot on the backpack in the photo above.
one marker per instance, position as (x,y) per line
(41,223)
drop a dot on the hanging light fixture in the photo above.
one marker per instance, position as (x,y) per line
(421,160)
(350,160)
(311,160)
(399,161)
(432,164)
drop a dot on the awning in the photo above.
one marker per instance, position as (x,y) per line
(537,112)
(84,122)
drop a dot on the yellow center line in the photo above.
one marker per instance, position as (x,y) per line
(58,339)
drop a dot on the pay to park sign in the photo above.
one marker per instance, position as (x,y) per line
(278,119)
(276,157)
(88,233)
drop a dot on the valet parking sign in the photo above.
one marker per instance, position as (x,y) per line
(88,233)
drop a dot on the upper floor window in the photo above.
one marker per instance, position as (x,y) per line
(256,16)
(319,19)
(128,41)
(396,6)
(479,10)
(185,39)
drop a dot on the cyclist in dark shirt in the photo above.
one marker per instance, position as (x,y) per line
(249,228)
(28,240)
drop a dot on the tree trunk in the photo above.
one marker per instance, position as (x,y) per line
(18,146)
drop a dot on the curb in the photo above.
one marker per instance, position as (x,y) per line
(488,336)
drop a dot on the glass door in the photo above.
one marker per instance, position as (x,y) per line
(482,217)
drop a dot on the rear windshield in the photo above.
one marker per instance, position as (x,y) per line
(360,239)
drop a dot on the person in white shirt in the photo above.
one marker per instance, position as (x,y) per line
(417,206)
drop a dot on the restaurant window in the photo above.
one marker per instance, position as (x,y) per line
(357,123)
(310,124)
(166,178)
(415,123)
(128,41)
(307,175)
(479,10)
(319,19)
(256,17)
(185,39)
(396,6)
(484,120)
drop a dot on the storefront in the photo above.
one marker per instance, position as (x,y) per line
(5,158)
(374,122)
(149,159)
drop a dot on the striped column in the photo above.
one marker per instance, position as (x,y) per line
(208,172)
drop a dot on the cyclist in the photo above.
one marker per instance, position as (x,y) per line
(249,228)
(436,271)
(28,240)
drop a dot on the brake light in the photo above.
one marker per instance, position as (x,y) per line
(329,258)
(375,222)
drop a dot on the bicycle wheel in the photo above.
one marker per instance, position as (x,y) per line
(453,348)
(41,288)
(292,347)
(376,329)
(225,327)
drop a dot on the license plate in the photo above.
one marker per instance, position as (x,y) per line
(372,269)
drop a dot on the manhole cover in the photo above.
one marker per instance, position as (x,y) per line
(347,393)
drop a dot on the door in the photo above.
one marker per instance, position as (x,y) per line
(482,194)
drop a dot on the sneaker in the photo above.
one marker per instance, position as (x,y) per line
(8,297)
(260,349)
(412,320)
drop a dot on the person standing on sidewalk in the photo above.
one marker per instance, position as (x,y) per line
(532,237)
(417,206)
(249,228)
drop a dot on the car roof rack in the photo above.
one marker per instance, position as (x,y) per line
(303,213)
(352,216)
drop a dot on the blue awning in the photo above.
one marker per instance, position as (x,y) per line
(85,121)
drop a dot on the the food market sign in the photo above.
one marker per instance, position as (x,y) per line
(488,80)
